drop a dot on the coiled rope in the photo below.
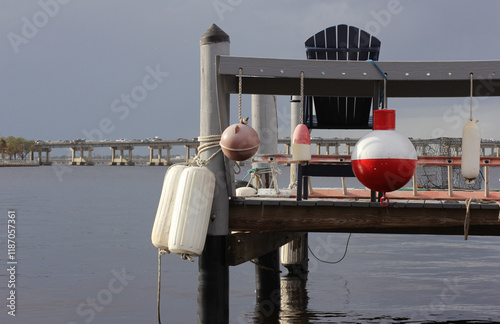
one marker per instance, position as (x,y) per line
(467,212)
(207,143)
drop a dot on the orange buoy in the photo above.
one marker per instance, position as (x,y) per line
(239,142)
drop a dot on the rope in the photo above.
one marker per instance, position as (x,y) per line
(206,143)
(301,97)
(240,87)
(160,253)
(467,212)
(185,256)
(471,90)
(265,267)
(332,262)
(259,170)
(256,173)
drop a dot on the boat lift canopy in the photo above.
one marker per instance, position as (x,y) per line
(359,78)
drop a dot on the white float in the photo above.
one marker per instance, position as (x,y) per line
(471,150)
(246,192)
(163,219)
(191,213)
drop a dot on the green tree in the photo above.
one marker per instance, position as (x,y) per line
(17,146)
(3,147)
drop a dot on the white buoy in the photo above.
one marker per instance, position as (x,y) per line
(163,219)
(246,192)
(471,150)
(191,214)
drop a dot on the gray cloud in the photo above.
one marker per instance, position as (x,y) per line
(64,79)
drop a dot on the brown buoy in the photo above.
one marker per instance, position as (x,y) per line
(239,142)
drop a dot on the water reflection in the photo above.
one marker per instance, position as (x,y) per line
(294,300)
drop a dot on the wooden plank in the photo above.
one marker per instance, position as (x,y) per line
(310,43)
(354,219)
(331,42)
(353,42)
(320,42)
(374,42)
(342,41)
(243,247)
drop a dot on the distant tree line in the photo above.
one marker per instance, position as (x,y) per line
(16,147)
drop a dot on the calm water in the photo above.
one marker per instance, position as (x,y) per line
(85,256)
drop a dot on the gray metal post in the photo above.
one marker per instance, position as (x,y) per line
(294,255)
(295,120)
(264,121)
(213,278)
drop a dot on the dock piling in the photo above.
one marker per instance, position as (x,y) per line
(213,278)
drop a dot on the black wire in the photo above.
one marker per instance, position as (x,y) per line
(332,262)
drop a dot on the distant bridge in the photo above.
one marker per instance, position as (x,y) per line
(443,146)
(120,146)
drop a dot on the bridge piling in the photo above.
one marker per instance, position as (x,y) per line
(121,160)
(159,160)
(81,160)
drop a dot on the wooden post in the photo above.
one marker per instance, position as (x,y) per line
(267,284)
(267,277)
(213,278)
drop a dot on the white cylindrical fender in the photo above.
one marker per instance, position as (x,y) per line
(294,252)
(163,219)
(471,150)
(191,215)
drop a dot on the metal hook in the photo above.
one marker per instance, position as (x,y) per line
(384,201)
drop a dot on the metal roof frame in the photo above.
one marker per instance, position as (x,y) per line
(359,79)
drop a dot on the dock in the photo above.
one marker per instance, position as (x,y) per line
(254,228)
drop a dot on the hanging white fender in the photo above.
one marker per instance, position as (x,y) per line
(191,215)
(471,150)
(163,219)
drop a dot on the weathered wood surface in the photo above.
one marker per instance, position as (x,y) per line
(243,247)
(329,215)
(358,79)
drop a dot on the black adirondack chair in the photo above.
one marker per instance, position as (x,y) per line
(339,42)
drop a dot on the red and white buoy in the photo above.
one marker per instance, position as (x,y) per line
(301,144)
(384,160)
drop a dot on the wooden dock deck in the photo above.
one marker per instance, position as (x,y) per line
(358,215)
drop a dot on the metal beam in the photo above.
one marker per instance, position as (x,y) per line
(353,78)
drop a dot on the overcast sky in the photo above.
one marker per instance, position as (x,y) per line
(68,67)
